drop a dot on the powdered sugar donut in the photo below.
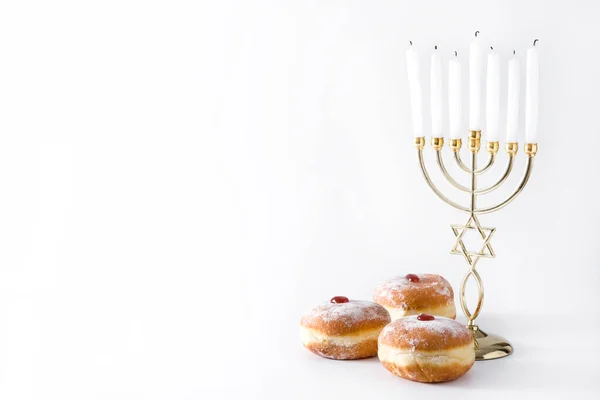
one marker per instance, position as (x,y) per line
(343,329)
(415,294)
(425,348)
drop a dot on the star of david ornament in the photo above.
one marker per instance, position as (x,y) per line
(460,248)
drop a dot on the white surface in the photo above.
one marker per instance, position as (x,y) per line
(180,180)
(533,371)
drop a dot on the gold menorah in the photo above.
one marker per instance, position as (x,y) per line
(488,346)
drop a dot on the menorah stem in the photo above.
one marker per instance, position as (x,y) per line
(474,146)
(473,181)
(472,271)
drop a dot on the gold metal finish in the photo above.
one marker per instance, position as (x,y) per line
(460,162)
(530,149)
(492,147)
(489,163)
(514,194)
(474,141)
(448,177)
(435,189)
(512,148)
(486,234)
(437,143)
(500,181)
(419,142)
(488,346)
(465,189)
(455,144)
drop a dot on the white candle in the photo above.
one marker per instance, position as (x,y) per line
(414,88)
(475,89)
(512,107)
(454,97)
(436,95)
(492,100)
(532,98)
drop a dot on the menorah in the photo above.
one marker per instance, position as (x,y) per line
(487,346)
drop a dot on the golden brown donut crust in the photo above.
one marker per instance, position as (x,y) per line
(398,292)
(409,333)
(364,349)
(346,318)
(427,373)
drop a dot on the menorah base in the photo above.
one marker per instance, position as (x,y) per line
(489,346)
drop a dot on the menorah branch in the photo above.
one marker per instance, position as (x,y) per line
(453,182)
(500,181)
(460,162)
(430,182)
(492,148)
(511,149)
(488,165)
(514,194)
(447,175)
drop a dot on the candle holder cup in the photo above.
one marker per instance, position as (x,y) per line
(487,346)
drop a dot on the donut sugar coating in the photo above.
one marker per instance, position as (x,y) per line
(427,348)
(343,329)
(416,294)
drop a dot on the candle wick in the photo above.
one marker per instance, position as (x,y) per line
(535,41)
(436,47)
(410,41)
(492,48)
(476,33)
(455,53)
(514,52)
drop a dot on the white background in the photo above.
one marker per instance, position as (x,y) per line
(179,181)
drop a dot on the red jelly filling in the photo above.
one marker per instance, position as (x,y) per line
(339,299)
(425,317)
(412,277)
